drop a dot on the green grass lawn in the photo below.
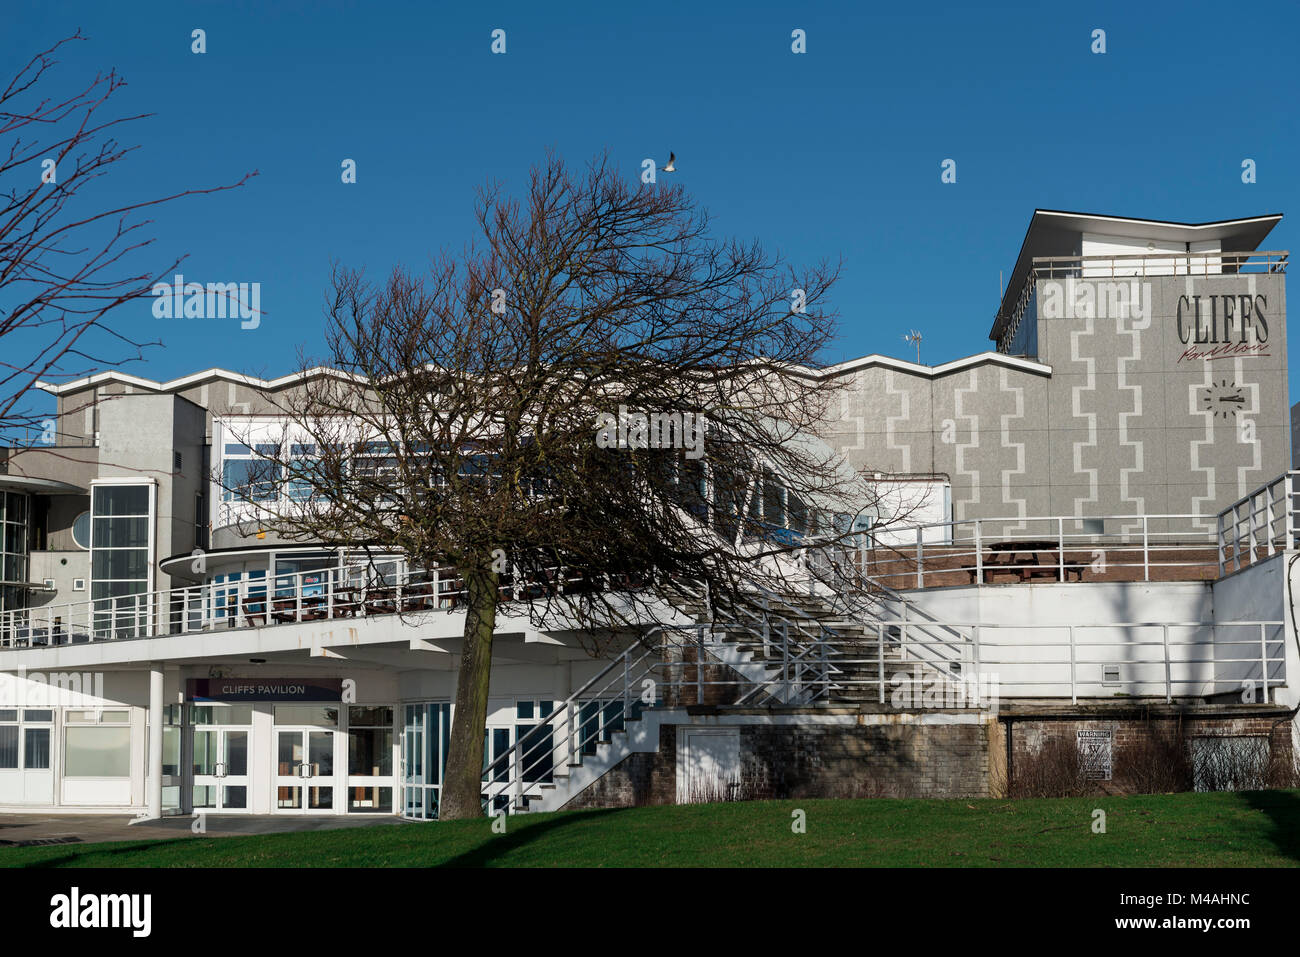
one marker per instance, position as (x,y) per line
(1175,830)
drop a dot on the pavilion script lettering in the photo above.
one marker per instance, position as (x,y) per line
(1227,326)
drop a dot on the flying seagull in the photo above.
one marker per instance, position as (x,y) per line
(670,168)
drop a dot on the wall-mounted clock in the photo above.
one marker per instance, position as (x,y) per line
(1223,399)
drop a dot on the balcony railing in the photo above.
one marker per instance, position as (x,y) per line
(988,551)
(1154,264)
(309,596)
(1260,524)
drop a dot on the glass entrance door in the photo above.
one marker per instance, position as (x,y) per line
(220,763)
(304,770)
(426,737)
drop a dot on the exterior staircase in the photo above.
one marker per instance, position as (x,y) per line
(779,652)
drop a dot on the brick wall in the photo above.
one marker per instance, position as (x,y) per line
(885,760)
(638,780)
(784,761)
(1133,736)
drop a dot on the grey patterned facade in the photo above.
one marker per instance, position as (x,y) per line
(1153,384)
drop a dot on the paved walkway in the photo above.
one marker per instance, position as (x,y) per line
(26,829)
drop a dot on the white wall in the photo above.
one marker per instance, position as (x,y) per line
(1095,244)
(905,504)
(1031,651)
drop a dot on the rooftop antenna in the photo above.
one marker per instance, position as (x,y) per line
(914,337)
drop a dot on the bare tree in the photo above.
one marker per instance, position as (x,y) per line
(597,413)
(65,255)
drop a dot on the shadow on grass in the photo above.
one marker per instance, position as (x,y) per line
(105,848)
(502,844)
(1283,811)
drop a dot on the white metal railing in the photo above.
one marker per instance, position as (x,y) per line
(305,596)
(985,551)
(682,666)
(1112,659)
(1259,524)
(1157,264)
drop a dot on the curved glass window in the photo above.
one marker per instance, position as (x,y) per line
(81,530)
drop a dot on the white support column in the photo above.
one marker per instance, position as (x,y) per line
(153,780)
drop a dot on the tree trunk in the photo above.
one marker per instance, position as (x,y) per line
(463,781)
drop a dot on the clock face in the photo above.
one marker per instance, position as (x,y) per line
(1223,398)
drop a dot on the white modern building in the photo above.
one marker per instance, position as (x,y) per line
(1089,520)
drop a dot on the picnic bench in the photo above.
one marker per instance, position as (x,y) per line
(1025,560)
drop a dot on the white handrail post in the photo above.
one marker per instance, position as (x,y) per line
(571,715)
(1270,502)
(331,585)
(880,658)
(1074,690)
(1251,530)
(920,560)
(297,580)
(1146,549)
(519,772)
(975,650)
(699,665)
(979,555)
(1222,549)
(785,652)
(1169,684)
(1263,659)
(1290,510)
(627,689)
(1060,549)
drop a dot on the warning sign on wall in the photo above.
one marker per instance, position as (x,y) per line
(1095,750)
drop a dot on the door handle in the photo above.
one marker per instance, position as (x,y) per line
(219,769)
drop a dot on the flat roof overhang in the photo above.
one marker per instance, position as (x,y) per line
(39,486)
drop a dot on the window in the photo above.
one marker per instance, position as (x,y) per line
(370,755)
(316,715)
(231,714)
(8,747)
(81,530)
(249,480)
(36,749)
(225,595)
(13,548)
(92,751)
(120,557)
(34,734)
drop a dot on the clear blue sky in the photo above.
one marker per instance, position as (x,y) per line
(835,152)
